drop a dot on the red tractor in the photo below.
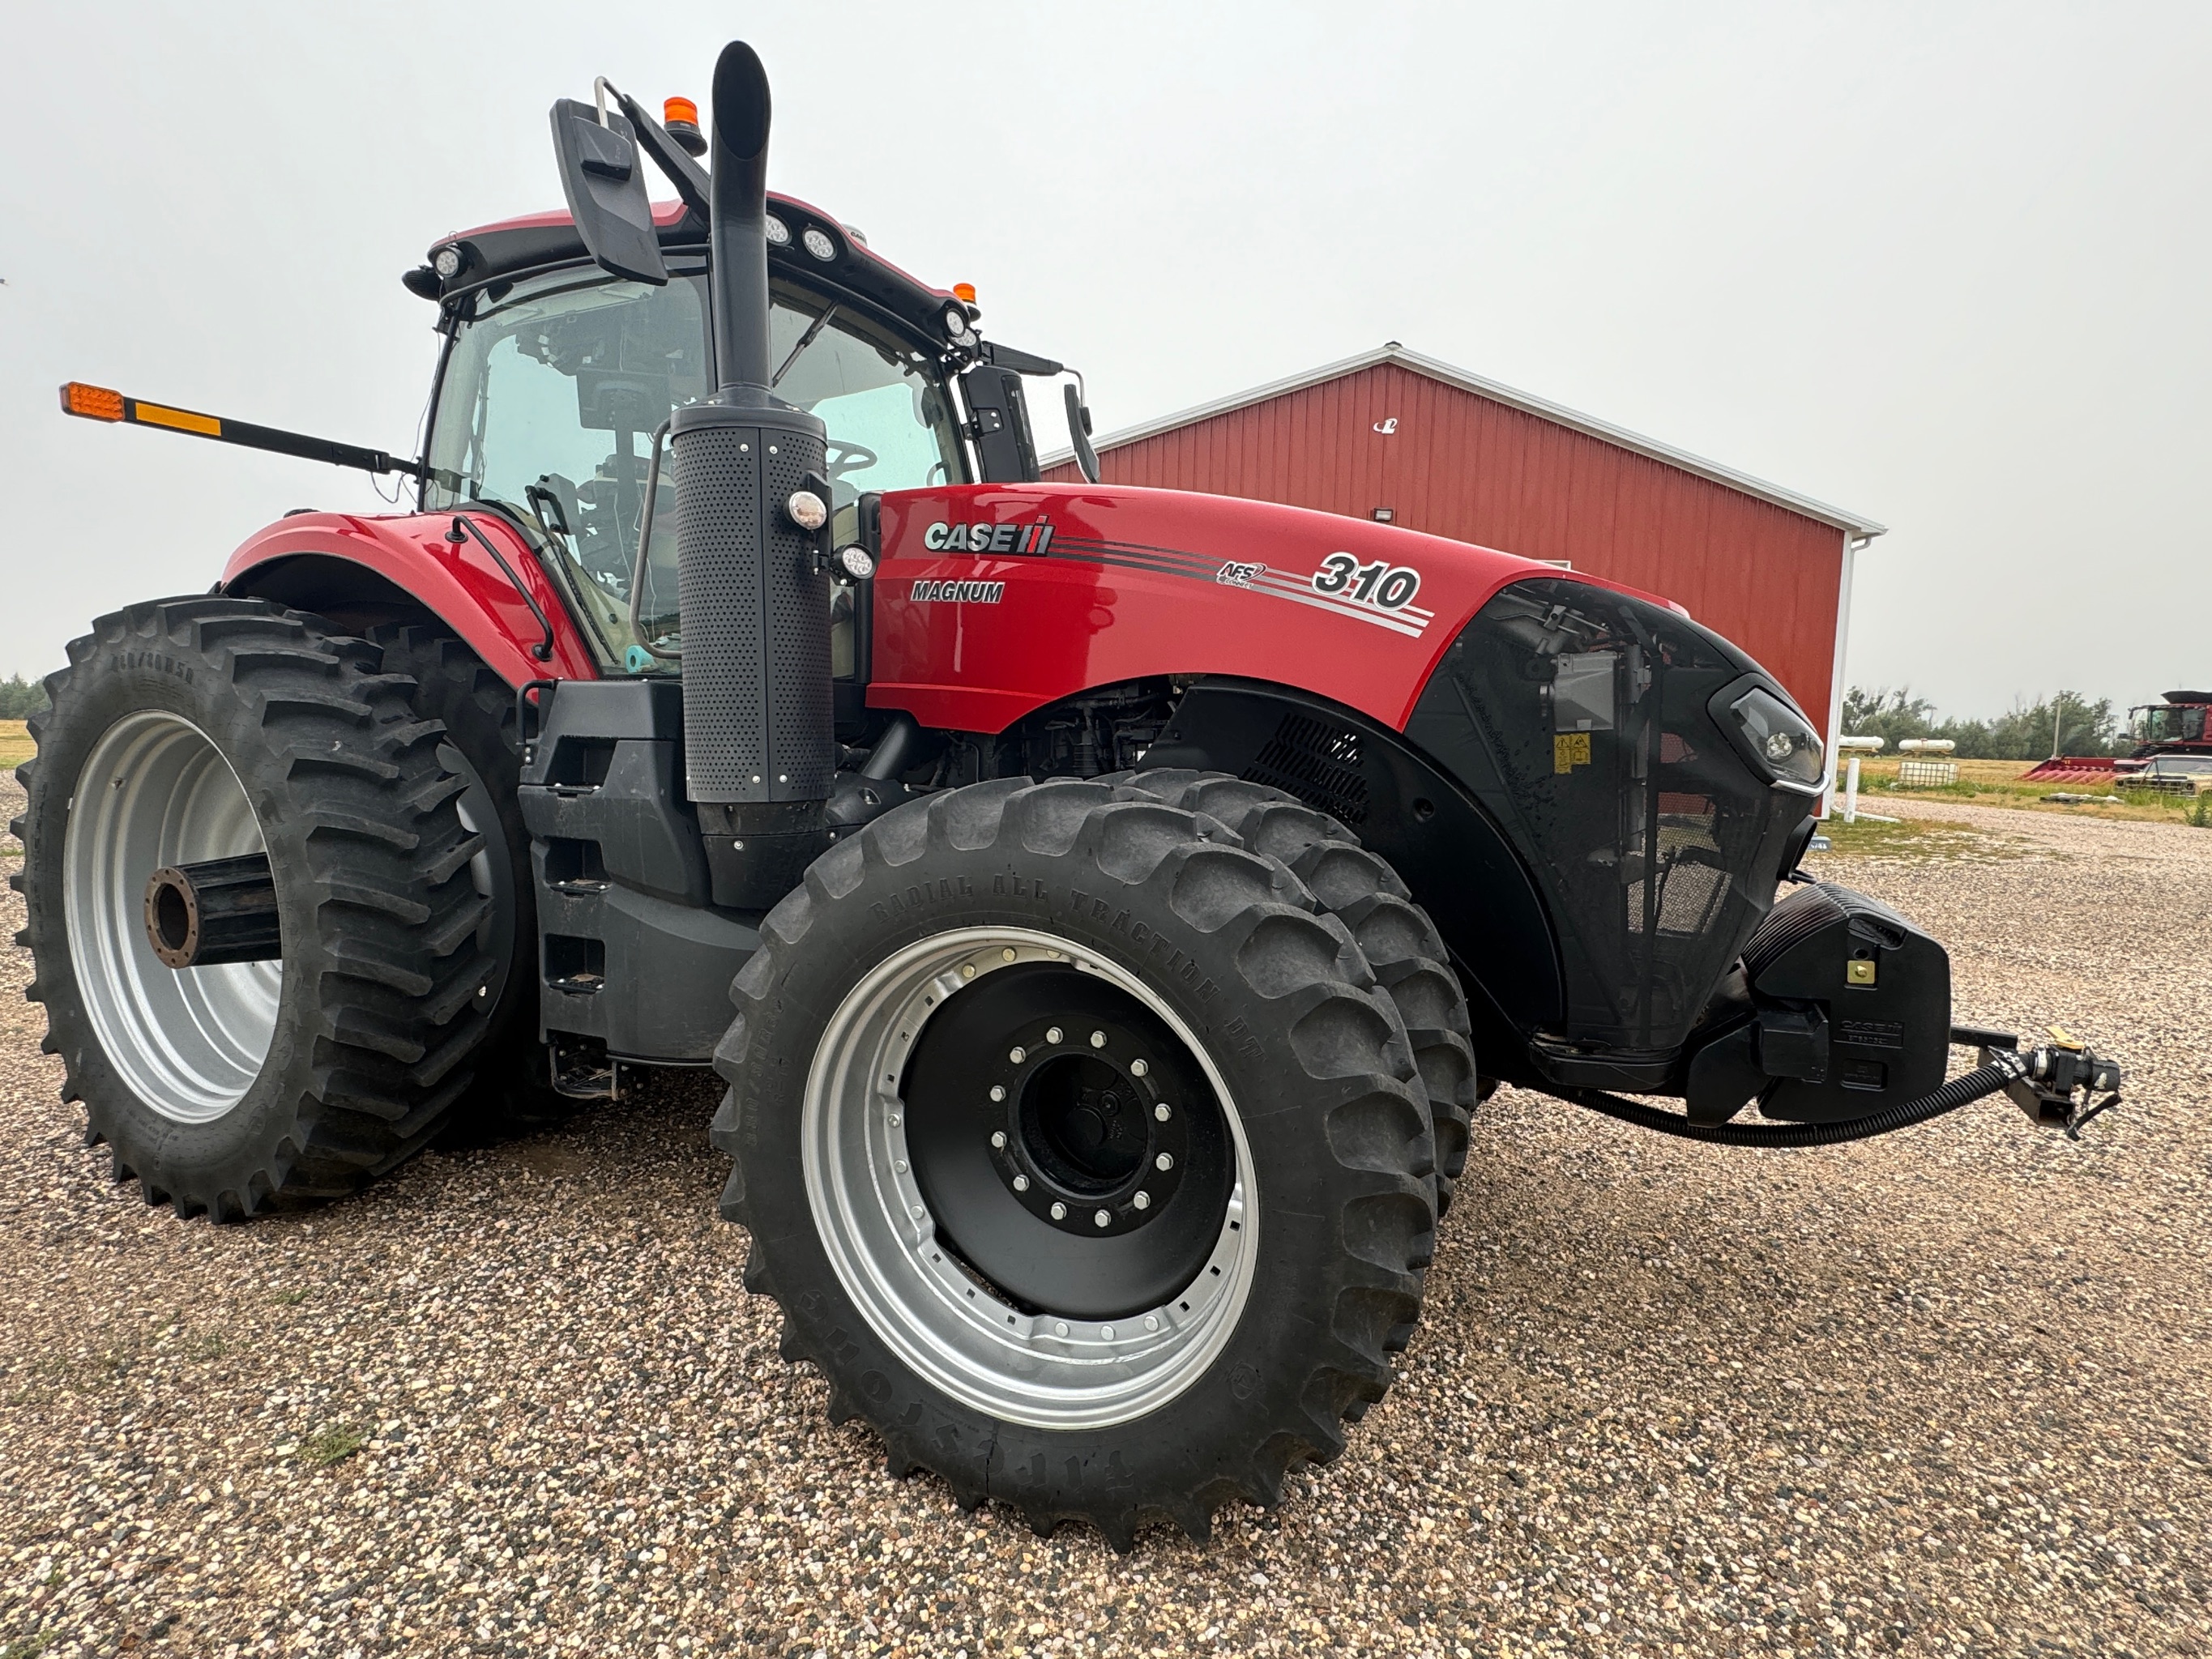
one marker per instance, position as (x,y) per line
(1096,1079)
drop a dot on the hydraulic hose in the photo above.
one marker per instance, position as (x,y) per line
(1958,1091)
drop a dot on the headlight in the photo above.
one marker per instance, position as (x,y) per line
(818,243)
(779,233)
(447,262)
(856,562)
(807,510)
(1781,740)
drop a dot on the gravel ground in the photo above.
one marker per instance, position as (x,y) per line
(1944,1393)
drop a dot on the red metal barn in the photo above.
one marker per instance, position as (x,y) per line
(1392,435)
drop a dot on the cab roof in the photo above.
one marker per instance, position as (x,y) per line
(536,241)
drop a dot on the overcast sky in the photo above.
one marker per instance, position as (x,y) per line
(1945,265)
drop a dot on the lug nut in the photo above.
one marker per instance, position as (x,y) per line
(1098,1039)
(998,1137)
(1059,1211)
(900,1166)
(1060,1327)
(998,1090)
(1142,1200)
(1006,954)
(1104,1218)
(1138,1068)
(1021,1183)
(1152,1321)
(1166,1161)
(1163,1111)
(1017,1055)
(1106,1332)
(1053,1035)
(967,971)
(893,1120)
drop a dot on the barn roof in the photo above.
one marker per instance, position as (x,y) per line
(1620,437)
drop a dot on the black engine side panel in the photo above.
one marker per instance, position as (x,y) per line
(1460,868)
(631,951)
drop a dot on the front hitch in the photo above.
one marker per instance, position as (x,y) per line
(2054,1085)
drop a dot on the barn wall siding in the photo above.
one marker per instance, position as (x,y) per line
(1460,464)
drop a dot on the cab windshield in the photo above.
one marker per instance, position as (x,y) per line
(2167,723)
(551,393)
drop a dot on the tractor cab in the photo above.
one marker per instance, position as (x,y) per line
(559,379)
(551,396)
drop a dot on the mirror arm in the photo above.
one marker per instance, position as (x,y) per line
(1078,432)
(686,174)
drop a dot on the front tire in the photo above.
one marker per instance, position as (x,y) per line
(1395,934)
(1012,1288)
(191,729)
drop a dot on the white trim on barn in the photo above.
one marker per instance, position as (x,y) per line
(1853,524)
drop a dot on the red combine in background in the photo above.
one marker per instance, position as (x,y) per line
(2173,750)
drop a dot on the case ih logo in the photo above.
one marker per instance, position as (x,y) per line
(942,537)
(927,593)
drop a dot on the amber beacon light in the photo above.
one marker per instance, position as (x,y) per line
(681,117)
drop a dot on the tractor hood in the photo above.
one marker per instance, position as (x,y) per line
(993,600)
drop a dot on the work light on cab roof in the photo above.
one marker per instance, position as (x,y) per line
(1127,898)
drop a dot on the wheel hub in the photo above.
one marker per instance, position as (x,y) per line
(156,792)
(1085,1131)
(934,1155)
(1068,1145)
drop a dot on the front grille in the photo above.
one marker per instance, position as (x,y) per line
(1319,762)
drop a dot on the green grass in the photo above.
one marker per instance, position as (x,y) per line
(1914,838)
(332,1445)
(293,1297)
(1998,783)
(27,1647)
(15,747)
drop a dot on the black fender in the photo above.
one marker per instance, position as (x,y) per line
(1463,869)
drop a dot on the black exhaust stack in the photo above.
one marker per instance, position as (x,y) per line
(759,751)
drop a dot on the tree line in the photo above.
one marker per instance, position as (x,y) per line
(19,698)
(2025,733)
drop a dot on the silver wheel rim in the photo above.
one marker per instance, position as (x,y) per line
(189,1043)
(1041,1370)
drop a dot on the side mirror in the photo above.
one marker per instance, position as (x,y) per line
(605,188)
(1078,433)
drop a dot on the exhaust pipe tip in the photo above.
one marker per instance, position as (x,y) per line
(738,198)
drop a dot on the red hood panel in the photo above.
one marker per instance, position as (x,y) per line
(994,599)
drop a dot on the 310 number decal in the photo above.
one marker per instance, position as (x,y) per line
(1391,587)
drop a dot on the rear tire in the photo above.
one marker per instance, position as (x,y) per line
(868,1036)
(194,728)
(477,707)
